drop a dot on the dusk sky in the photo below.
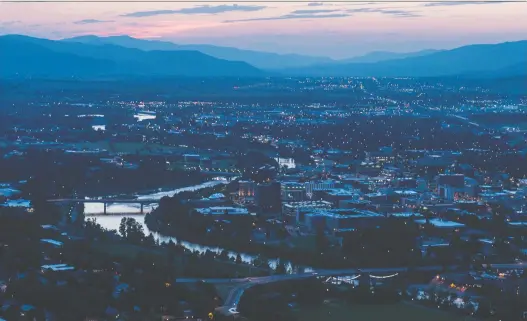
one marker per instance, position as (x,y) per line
(335,29)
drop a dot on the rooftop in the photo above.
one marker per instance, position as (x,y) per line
(441,223)
(341,192)
(346,214)
(308,204)
(58,267)
(220,210)
(406,214)
(52,242)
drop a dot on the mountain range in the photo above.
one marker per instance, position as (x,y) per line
(503,59)
(123,56)
(259,59)
(262,60)
(26,56)
(378,56)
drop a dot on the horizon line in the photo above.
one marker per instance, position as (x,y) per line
(259,1)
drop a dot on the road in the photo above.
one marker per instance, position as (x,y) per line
(233,298)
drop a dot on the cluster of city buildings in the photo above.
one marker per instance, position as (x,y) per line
(378,187)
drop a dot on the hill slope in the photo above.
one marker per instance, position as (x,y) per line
(463,60)
(263,60)
(27,56)
(377,56)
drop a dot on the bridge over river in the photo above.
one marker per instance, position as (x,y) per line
(106,201)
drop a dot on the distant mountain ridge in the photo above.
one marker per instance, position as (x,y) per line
(262,60)
(35,57)
(378,56)
(490,59)
(259,59)
(23,56)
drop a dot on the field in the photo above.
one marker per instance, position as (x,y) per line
(395,312)
(212,269)
(127,148)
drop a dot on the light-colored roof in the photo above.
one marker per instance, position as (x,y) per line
(53,242)
(406,214)
(220,210)
(441,223)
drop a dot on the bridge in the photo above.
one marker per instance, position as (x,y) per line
(107,201)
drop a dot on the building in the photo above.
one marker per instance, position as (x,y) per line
(296,211)
(268,197)
(342,219)
(192,158)
(405,182)
(406,215)
(53,243)
(337,195)
(449,186)
(355,203)
(376,198)
(288,163)
(293,192)
(313,186)
(442,224)
(217,199)
(222,210)
(246,189)
(382,156)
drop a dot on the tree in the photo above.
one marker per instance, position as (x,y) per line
(261,261)
(122,227)
(134,231)
(150,240)
(224,255)
(239,259)
(280,267)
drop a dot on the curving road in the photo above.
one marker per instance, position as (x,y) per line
(233,298)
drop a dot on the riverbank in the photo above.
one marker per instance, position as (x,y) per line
(297,256)
(127,191)
(183,264)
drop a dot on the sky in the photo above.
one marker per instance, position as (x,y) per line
(334,29)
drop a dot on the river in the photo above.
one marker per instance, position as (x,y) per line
(111,222)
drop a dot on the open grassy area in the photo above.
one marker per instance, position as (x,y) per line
(127,148)
(397,312)
(121,250)
(224,289)
(216,267)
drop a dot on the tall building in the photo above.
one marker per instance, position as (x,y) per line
(313,186)
(294,212)
(293,192)
(449,185)
(246,189)
(268,197)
